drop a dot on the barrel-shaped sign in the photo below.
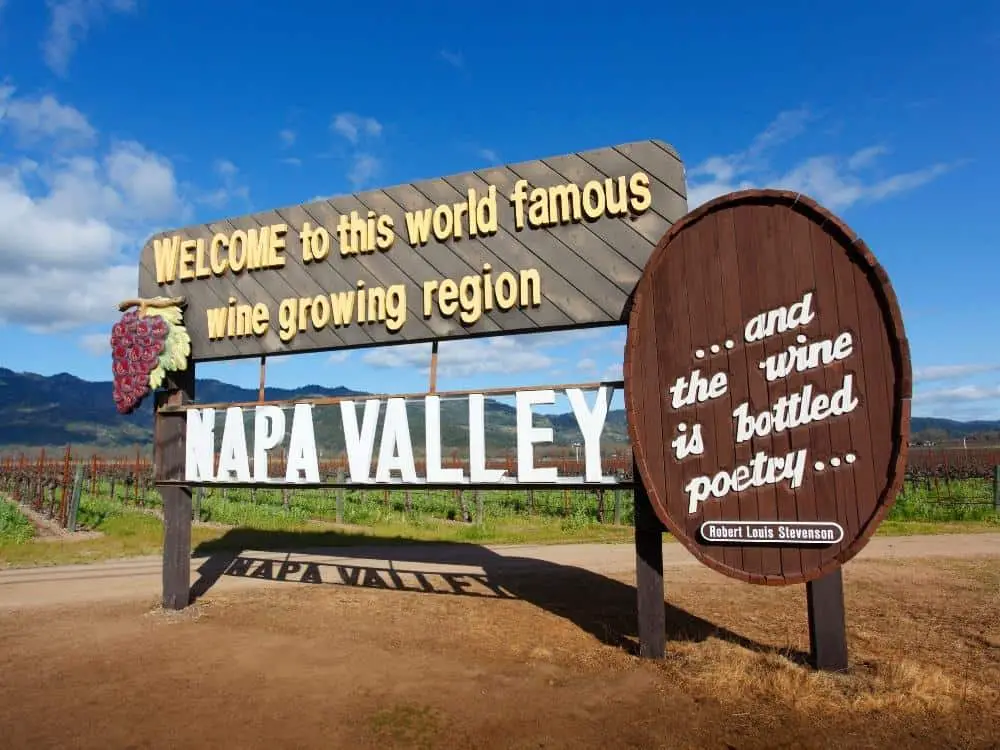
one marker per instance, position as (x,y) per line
(767,385)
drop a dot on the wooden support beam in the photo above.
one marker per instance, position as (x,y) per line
(651,610)
(169,456)
(263,378)
(434,367)
(827,626)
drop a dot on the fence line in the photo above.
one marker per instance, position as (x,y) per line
(53,485)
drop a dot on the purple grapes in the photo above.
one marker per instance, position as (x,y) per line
(136,345)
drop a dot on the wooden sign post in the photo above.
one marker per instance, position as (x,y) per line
(767,386)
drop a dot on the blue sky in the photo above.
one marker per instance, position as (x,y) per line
(122,117)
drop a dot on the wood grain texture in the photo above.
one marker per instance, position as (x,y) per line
(588,269)
(724,263)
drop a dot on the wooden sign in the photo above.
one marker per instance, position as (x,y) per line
(548,244)
(767,386)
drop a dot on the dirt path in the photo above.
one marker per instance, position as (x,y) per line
(535,653)
(450,567)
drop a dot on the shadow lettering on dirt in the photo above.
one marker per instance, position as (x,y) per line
(601,606)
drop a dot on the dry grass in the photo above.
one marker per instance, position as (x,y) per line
(339,666)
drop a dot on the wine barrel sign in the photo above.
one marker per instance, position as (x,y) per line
(767,384)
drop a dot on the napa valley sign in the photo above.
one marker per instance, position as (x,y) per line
(380,442)
(548,244)
(767,385)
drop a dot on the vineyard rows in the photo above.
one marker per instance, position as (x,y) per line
(54,486)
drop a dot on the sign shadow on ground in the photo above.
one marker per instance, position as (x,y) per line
(599,605)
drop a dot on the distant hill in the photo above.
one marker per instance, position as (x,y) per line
(59,410)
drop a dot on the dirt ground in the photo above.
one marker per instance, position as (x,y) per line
(453,649)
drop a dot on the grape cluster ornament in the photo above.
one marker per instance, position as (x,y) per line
(146,343)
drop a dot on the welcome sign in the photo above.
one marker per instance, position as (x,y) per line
(549,244)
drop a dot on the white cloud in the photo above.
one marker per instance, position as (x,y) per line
(364,168)
(69,24)
(613,371)
(230,189)
(454,59)
(466,357)
(287,138)
(34,120)
(504,355)
(587,364)
(352,126)
(835,181)
(945,372)
(490,155)
(70,227)
(96,344)
(339,357)
(962,393)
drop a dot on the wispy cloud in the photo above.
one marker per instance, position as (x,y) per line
(34,120)
(95,344)
(454,59)
(947,372)
(287,138)
(364,168)
(352,126)
(69,24)
(232,186)
(836,181)
(964,393)
(490,155)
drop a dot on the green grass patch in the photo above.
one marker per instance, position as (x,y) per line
(15,528)
(231,518)
(954,500)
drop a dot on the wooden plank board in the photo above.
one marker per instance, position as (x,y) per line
(586,265)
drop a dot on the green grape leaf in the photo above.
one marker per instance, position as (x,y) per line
(170,314)
(156,376)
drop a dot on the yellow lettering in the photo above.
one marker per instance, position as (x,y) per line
(343,307)
(261,319)
(473,295)
(201,270)
(447,297)
(216,322)
(395,307)
(238,259)
(470,298)
(506,290)
(186,270)
(418,226)
(258,245)
(219,265)
(593,199)
(384,232)
(429,288)
(531,288)
(642,197)
(320,311)
(165,251)
(538,210)
(518,198)
(286,318)
(564,203)
(443,222)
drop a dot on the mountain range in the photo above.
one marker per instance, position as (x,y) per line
(60,410)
